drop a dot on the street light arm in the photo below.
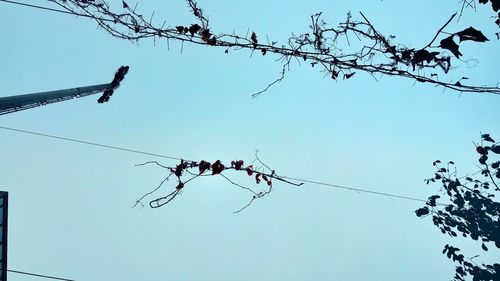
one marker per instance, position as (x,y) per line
(119,75)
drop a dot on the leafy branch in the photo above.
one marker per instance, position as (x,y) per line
(472,211)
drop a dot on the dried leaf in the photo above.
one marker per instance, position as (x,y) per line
(180,29)
(249,170)
(472,34)
(254,39)
(203,166)
(349,75)
(257,178)
(238,164)
(450,45)
(194,28)
(487,137)
(217,167)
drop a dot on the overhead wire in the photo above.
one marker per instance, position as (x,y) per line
(38,7)
(92,143)
(39,275)
(355,189)
(51,9)
(391,195)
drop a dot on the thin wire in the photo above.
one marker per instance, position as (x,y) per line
(359,190)
(39,275)
(40,7)
(175,158)
(51,9)
(91,143)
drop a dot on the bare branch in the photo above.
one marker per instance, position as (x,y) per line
(440,30)
(151,192)
(217,169)
(322,46)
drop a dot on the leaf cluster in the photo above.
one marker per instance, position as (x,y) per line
(472,211)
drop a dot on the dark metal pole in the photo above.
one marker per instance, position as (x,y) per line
(4,207)
(21,102)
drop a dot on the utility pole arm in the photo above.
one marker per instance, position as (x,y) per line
(21,102)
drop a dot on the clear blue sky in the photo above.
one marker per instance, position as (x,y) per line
(70,212)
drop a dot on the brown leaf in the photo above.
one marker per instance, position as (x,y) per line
(204,165)
(257,178)
(194,28)
(238,164)
(181,29)
(217,167)
(205,35)
(249,170)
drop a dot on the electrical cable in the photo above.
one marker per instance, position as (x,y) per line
(51,9)
(179,159)
(92,143)
(39,275)
(355,189)
(38,7)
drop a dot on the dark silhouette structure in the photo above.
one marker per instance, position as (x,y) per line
(4,207)
(22,102)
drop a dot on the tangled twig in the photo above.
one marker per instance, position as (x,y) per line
(322,46)
(193,169)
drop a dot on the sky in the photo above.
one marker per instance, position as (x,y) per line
(70,209)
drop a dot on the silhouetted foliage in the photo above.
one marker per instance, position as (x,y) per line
(187,171)
(495,5)
(472,211)
(329,48)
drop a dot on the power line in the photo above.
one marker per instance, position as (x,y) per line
(40,7)
(176,158)
(39,275)
(358,189)
(92,143)
(52,10)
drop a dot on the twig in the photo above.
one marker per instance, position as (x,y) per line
(441,29)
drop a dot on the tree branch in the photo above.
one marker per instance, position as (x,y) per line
(322,46)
